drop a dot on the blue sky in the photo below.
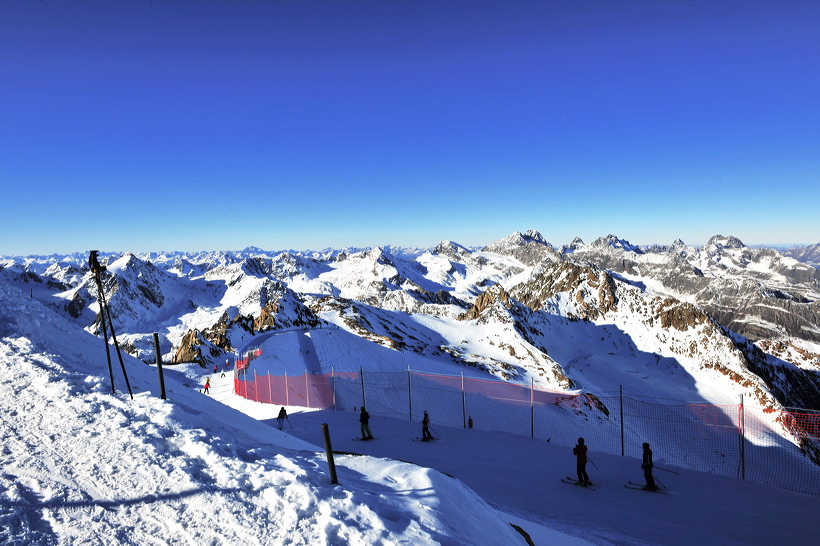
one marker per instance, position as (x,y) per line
(171,125)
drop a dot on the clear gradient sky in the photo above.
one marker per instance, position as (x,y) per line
(203,125)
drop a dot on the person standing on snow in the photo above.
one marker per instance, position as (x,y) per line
(580,452)
(281,417)
(647,468)
(425,427)
(207,385)
(364,419)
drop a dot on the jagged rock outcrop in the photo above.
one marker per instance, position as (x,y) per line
(590,291)
(487,298)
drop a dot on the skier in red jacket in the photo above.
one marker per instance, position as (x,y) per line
(580,452)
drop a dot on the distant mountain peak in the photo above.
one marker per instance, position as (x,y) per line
(518,240)
(719,241)
(535,236)
(611,241)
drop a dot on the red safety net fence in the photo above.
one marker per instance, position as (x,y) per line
(769,446)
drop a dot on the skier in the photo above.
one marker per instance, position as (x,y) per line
(281,417)
(647,468)
(425,428)
(364,419)
(216,369)
(580,452)
(207,385)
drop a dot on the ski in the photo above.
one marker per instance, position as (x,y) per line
(573,481)
(639,487)
(424,439)
(363,439)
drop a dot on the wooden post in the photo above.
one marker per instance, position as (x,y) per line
(159,366)
(331,464)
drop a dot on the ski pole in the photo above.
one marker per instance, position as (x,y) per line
(665,470)
(289,423)
(660,482)
(434,431)
(593,464)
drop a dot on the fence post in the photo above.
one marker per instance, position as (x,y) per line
(409,393)
(287,390)
(621,397)
(742,438)
(532,407)
(270,387)
(463,402)
(159,366)
(255,386)
(364,394)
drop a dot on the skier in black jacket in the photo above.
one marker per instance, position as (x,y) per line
(580,452)
(647,468)
(364,419)
(425,427)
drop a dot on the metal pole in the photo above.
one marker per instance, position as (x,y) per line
(364,394)
(114,336)
(287,393)
(532,407)
(410,392)
(255,386)
(622,419)
(159,366)
(742,427)
(270,387)
(333,377)
(307,389)
(463,401)
(107,348)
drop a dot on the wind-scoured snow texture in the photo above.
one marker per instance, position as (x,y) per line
(84,466)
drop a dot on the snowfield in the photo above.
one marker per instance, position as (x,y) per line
(84,466)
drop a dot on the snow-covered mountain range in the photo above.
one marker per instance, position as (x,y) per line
(519,309)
